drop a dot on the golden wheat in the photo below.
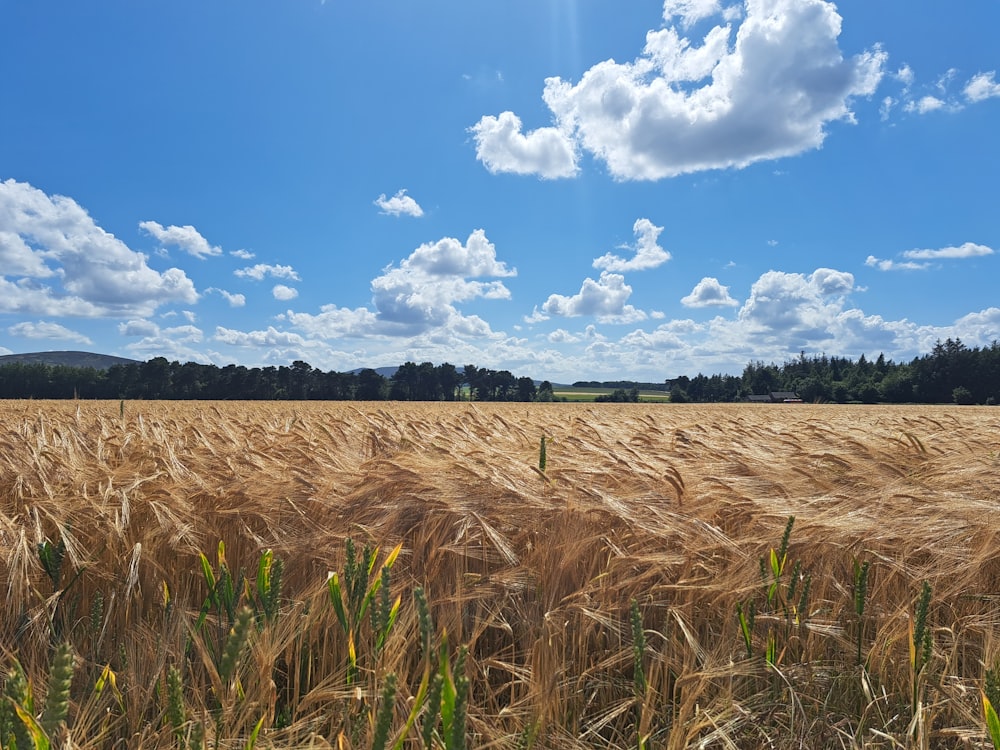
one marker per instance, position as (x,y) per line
(670,505)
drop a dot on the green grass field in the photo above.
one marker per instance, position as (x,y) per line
(589,394)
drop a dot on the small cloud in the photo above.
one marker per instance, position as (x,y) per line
(138,328)
(891,265)
(925,104)
(945,79)
(967,250)
(283,292)
(269,338)
(537,316)
(261,270)
(709,293)
(187,238)
(772,243)
(885,110)
(398,205)
(648,254)
(982,86)
(502,147)
(242,254)
(234,300)
(562,336)
(604,298)
(46,330)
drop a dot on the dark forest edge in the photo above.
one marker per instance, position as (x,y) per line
(950,373)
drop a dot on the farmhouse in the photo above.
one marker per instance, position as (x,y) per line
(776,397)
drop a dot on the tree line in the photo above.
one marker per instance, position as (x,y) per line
(161,379)
(950,373)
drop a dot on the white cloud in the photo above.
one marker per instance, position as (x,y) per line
(976,329)
(794,305)
(945,79)
(966,250)
(562,336)
(282,292)
(925,104)
(19,259)
(422,291)
(689,12)
(46,330)
(982,86)
(138,328)
(917,260)
(709,293)
(604,299)
(892,265)
(57,261)
(828,281)
(334,322)
(262,270)
(537,316)
(885,110)
(648,254)
(502,147)
(398,205)
(765,89)
(242,254)
(420,296)
(187,238)
(905,75)
(449,257)
(270,337)
(234,300)
(188,334)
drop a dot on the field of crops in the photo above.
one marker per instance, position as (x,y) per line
(640,584)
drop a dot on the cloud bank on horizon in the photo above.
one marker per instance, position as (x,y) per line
(628,232)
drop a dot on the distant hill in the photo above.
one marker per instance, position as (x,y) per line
(67,359)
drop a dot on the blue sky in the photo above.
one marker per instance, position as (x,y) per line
(567,189)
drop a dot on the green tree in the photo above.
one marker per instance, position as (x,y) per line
(962,396)
(544,392)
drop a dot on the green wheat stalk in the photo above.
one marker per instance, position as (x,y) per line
(860,598)
(176,712)
(235,644)
(385,712)
(60,679)
(921,642)
(17,690)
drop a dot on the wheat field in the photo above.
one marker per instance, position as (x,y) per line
(665,512)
